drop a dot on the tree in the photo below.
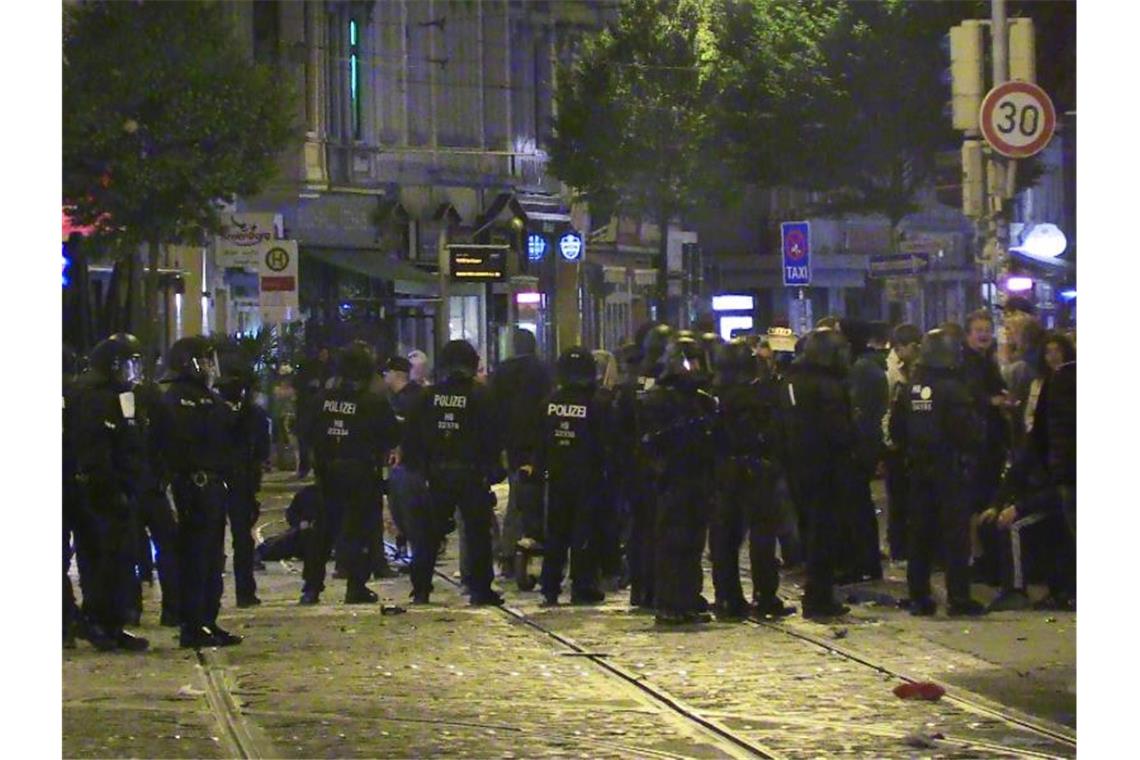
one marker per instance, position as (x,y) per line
(630,132)
(164,116)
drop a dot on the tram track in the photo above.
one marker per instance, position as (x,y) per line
(242,740)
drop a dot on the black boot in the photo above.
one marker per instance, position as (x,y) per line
(131,642)
(192,637)
(360,595)
(223,637)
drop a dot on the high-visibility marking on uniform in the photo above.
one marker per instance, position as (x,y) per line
(792,394)
(449,402)
(339,407)
(577,411)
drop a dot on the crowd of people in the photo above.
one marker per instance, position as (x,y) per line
(623,471)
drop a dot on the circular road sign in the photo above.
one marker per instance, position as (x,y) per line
(277,259)
(1017,119)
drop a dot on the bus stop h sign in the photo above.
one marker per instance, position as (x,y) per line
(1017,119)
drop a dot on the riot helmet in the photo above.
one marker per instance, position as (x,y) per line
(826,348)
(235,372)
(458,360)
(736,363)
(193,358)
(118,358)
(683,358)
(576,368)
(355,364)
(940,350)
(653,347)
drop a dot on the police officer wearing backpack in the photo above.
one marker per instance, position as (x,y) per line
(818,439)
(354,430)
(571,455)
(451,439)
(192,425)
(935,425)
(676,418)
(108,446)
(745,487)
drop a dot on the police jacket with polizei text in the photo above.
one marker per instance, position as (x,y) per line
(192,425)
(675,426)
(107,441)
(353,423)
(815,428)
(744,419)
(572,445)
(453,426)
(935,421)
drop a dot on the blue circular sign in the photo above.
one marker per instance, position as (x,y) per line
(535,246)
(570,245)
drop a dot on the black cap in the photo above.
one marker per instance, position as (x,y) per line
(399,364)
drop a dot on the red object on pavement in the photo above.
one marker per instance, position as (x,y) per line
(926,690)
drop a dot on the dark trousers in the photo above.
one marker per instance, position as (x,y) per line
(156,517)
(819,493)
(607,531)
(106,556)
(745,501)
(898,500)
(570,511)
(201,548)
(680,535)
(71,506)
(1043,539)
(939,520)
(407,495)
(858,546)
(348,488)
(641,549)
(304,456)
(288,545)
(466,491)
(241,508)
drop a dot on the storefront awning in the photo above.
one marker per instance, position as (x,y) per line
(373,263)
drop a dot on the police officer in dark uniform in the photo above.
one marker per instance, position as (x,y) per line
(818,440)
(935,425)
(108,448)
(451,439)
(192,425)
(355,429)
(636,465)
(677,419)
(71,498)
(745,487)
(248,448)
(571,456)
(155,512)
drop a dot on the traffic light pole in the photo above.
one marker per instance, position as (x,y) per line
(1000,187)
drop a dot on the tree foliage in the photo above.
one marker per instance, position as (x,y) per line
(164,115)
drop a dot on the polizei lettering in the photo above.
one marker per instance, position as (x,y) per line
(339,407)
(450,402)
(566,410)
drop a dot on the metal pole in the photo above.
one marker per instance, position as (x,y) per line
(999,228)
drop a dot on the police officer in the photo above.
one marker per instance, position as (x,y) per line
(248,448)
(71,498)
(354,430)
(108,447)
(745,487)
(818,440)
(571,456)
(934,424)
(638,484)
(155,512)
(677,419)
(192,427)
(451,439)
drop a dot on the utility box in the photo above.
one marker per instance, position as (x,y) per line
(967,80)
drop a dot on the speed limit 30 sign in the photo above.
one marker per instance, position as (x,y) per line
(1017,119)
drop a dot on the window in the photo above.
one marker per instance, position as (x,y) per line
(266,19)
(354,76)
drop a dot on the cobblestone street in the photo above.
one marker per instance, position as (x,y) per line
(449,680)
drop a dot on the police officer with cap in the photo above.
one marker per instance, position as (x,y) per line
(818,439)
(354,430)
(676,419)
(192,424)
(108,447)
(571,457)
(451,439)
(934,424)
